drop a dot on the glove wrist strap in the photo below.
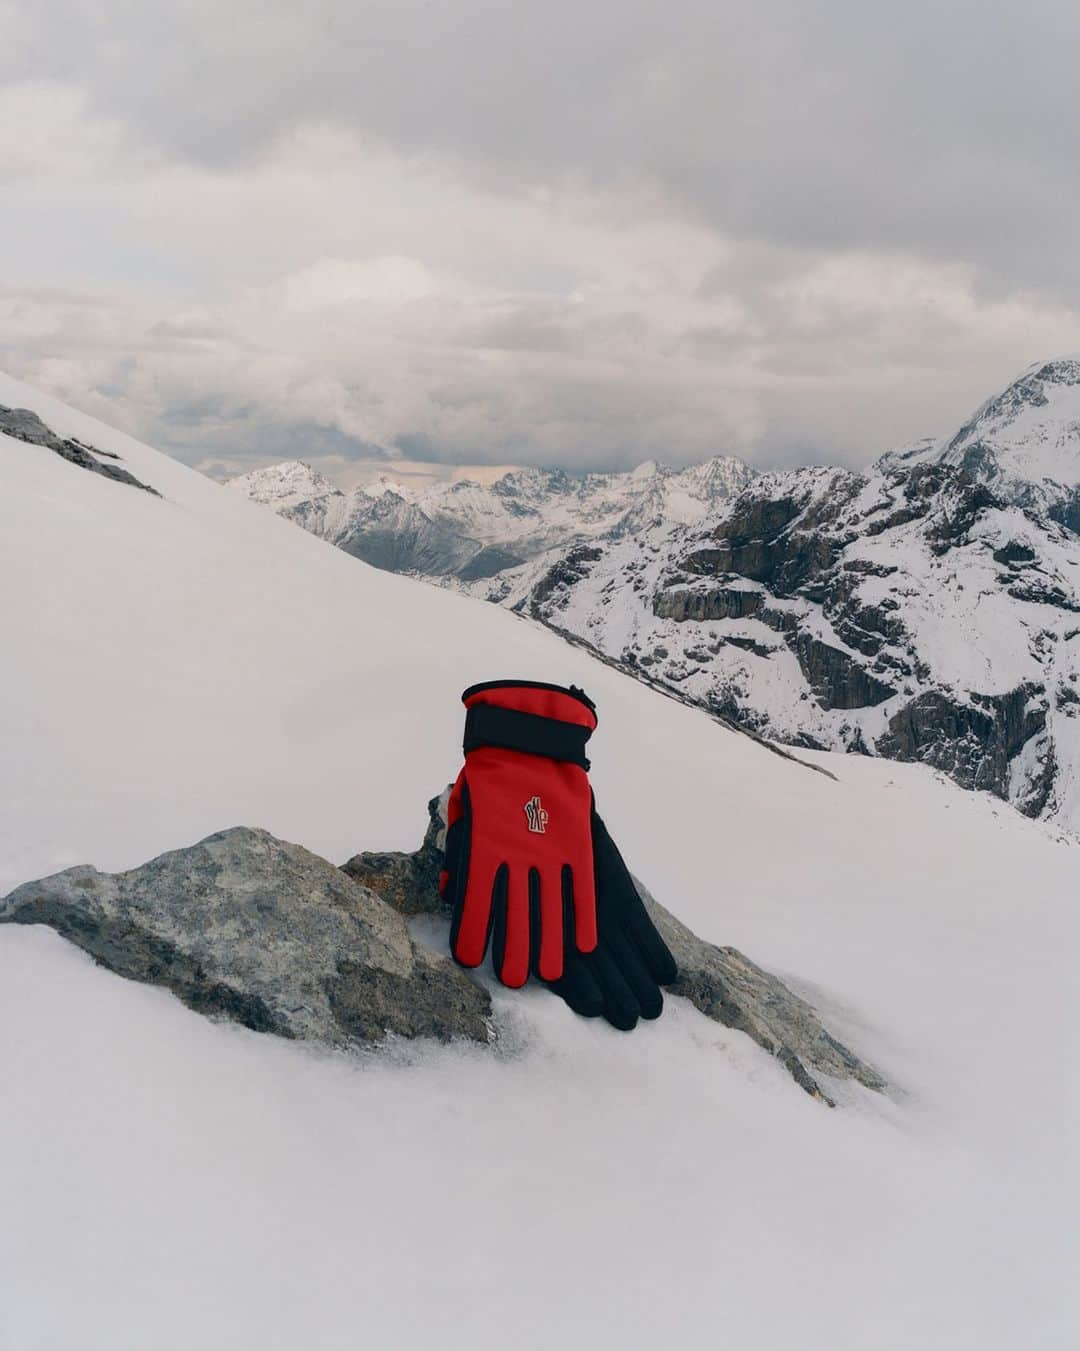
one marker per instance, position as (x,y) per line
(489,725)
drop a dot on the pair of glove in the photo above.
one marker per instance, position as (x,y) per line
(530,869)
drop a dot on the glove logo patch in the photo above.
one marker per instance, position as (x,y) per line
(536,816)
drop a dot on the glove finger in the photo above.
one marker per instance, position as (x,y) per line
(578,987)
(654,951)
(510,927)
(621,896)
(470,923)
(621,1007)
(632,968)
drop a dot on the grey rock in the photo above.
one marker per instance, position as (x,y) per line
(246,926)
(720,981)
(731,989)
(25,425)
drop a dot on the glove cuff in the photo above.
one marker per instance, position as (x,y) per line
(556,702)
(487,725)
(532,718)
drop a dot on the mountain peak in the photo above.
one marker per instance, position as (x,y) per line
(1030,432)
(285,483)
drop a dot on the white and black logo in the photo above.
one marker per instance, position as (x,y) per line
(536,816)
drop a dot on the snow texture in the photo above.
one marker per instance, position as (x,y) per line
(177,665)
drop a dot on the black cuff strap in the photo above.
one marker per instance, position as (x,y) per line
(488,725)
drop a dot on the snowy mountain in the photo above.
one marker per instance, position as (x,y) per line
(927,610)
(179,663)
(1025,441)
(470,530)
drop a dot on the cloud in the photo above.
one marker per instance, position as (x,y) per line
(582,234)
(947,130)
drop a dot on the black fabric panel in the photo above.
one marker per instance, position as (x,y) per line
(534,921)
(487,725)
(630,963)
(578,987)
(499,894)
(569,915)
(615,885)
(654,951)
(632,968)
(621,1008)
(458,849)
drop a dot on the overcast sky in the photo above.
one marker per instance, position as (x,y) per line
(576,232)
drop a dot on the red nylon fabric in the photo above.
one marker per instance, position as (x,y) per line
(540,702)
(529,813)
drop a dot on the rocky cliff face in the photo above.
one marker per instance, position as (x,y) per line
(927,610)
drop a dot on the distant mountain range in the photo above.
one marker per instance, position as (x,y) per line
(927,609)
(471,531)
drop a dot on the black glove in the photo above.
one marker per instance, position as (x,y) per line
(621,979)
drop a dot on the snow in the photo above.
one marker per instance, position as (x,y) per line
(177,666)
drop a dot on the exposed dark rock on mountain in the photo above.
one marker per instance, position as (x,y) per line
(24,425)
(721,982)
(972,743)
(922,610)
(265,933)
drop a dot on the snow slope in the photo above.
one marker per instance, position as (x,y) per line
(177,665)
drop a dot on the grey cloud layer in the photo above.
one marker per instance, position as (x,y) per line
(944,127)
(582,233)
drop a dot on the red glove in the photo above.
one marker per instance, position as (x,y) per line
(519,852)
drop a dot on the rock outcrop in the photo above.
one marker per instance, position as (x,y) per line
(23,425)
(265,933)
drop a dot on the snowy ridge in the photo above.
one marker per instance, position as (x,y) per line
(472,529)
(1024,441)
